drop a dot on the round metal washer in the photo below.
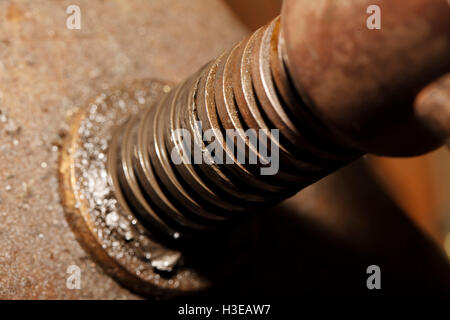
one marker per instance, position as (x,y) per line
(107,230)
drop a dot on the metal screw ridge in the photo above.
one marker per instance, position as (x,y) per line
(247,87)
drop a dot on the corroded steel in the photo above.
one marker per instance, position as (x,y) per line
(165,206)
(362,82)
(235,92)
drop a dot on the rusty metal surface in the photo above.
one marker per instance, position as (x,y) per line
(320,241)
(45,71)
(363,82)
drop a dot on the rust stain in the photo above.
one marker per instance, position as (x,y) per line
(14,13)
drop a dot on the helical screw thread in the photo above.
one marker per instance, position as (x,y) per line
(247,87)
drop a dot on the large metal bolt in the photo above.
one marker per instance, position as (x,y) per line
(130,203)
(232,94)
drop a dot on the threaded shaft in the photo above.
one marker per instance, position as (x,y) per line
(247,87)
